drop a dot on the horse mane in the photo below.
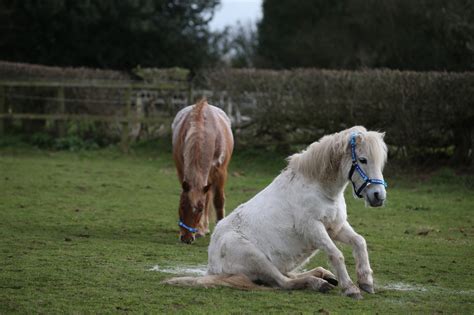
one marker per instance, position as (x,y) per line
(322,159)
(195,158)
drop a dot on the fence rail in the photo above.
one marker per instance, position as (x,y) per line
(123,114)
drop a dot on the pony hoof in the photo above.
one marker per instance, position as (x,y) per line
(355,296)
(367,287)
(353,292)
(325,287)
(332,280)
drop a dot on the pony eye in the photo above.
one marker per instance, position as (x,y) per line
(363,160)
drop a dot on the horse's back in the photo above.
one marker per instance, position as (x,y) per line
(217,118)
(205,129)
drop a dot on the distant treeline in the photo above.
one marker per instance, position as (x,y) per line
(350,34)
(345,34)
(107,34)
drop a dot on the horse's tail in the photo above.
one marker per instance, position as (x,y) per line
(238,281)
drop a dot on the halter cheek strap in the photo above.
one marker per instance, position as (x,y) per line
(186,227)
(355,167)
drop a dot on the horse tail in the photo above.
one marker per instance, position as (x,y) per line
(238,281)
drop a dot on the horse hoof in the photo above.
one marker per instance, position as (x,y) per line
(331,280)
(325,287)
(353,292)
(355,296)
(367,287)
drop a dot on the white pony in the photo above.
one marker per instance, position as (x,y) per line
(303,210)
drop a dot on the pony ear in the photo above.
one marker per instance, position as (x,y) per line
(185,186)
(206,188)
(358,138)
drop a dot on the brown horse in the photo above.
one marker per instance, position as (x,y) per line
(202,148)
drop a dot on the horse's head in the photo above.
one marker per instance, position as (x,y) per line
(368,154)
(191,207)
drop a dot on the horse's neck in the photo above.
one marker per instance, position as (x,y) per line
(335,189)
(331,189)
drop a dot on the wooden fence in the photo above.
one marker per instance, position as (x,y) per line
(61,115)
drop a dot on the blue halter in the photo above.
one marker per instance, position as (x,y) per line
(356,167)
(184,226)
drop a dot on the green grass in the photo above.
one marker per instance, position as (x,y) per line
(80,231)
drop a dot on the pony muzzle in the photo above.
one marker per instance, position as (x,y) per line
(187,238)
(375,195)
(186,234)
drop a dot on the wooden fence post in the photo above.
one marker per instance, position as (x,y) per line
(2,109)
(62,110)
(125,144)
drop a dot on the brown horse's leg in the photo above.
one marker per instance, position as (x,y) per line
(204,224)
(219,196)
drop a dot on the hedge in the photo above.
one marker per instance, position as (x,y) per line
(421,112)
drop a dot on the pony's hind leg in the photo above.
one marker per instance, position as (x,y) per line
(270,274)
(318,272)
(249,260)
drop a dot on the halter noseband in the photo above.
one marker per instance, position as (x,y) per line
(186,227)
(356,167)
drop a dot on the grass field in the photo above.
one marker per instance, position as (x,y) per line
(81,231)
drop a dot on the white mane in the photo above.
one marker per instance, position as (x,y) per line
(322,159)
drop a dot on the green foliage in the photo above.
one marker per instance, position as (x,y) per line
(74,143)
(108,33)
(81,135)
(70,143)
(42,140)
(80,232)
(351,34)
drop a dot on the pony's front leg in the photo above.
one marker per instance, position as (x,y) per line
(323,241)
(204,223)
(347,235)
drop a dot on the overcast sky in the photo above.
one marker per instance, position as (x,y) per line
(231,11)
